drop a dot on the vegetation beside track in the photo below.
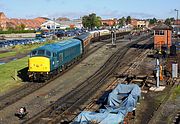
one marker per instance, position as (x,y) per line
(172,103)
(16,31)
(8,74)
(19,49)
(176,93)
(7,54)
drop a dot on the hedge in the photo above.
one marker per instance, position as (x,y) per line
(17,32)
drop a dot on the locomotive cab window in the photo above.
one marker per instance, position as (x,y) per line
(33,53)
(41,52)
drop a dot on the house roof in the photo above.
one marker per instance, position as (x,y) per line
(177,22)
(162,27)
(2,15)
(50,22)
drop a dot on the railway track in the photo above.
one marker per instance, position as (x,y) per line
(140,56)
(64,108)
(158,115)
(30,87)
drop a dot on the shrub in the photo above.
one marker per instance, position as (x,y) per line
(16,31)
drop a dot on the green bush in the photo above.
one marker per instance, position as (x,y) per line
(16,31)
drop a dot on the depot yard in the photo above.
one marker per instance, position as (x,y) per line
(89,62)
(68,82)
(147,111)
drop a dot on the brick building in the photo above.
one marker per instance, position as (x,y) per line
(14,22)
(109,22)
(162,36)
(139,23)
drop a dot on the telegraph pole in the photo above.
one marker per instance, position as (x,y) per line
(177,11)
(54,26)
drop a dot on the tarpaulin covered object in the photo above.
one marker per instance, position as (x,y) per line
(121,100)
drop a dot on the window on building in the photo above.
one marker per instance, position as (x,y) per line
(159,32)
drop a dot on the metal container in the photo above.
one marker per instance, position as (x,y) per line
(174,70)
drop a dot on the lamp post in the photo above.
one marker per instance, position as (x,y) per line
(177,22)
(54,26)
(177,13)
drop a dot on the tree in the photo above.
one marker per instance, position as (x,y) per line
(22,26)
(153,21)
(128,20)
(172,19)
(98,21)
(10,28)
(86,21)
(122,21)
(169,21)
(91,21)
(1,28)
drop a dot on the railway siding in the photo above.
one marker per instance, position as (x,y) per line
(58,108)
(42,98)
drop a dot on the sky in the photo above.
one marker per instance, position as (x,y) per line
(73,9)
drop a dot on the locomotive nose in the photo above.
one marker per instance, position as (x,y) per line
(39,64)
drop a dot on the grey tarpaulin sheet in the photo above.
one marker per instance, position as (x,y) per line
(121,100)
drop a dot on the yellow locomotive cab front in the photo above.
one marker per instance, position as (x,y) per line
(39,64)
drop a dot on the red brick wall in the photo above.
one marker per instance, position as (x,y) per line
(160,40)
(109,22)
(134,22)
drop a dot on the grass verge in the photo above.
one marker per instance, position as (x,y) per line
(8,74)
(7,54)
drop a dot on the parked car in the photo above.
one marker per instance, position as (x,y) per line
(60,33)
(46,34)
(69,33)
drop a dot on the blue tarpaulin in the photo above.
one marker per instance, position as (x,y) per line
(121,100)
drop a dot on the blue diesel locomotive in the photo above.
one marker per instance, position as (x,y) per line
(50,59)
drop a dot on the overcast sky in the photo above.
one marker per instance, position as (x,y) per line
(160,9)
